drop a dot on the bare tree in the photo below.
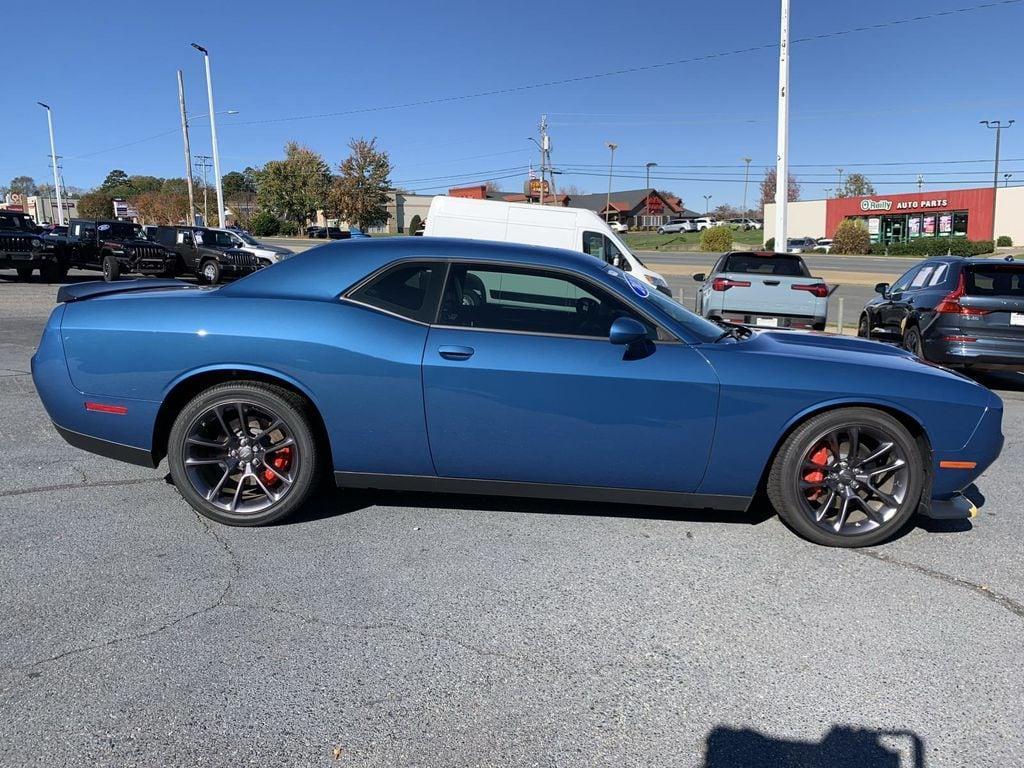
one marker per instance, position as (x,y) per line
(768,189)
(360,191)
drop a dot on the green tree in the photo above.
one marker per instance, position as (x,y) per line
(294,188)
(23,185)
(141,184)
(116,178)
(415,224)
(360,192)
(235,183)
(98,204)
(264,224)
(851,236)
(856,184)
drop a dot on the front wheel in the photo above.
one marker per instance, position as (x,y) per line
(851,477)
(111,268)
(209,273)
(244,453)
(864,327)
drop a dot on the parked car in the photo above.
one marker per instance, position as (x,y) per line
(774,290)
(113,247)
(618,227)
(327,233)
(801,244)
(209,254)
(954,311)
(704,222)
(577,229)
(674,226)
(243,241)
(471,367)
(744,224)
(25,248)
(824,243)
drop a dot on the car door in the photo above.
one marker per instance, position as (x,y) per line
(521,384)
(893,308)
(86,246)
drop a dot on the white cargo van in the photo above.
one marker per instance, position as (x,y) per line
(575,229)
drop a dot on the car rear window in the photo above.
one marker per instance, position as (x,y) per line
(752,263)
(997,280)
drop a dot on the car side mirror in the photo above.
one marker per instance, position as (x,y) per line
(700,277)
(882,288)
(626,331)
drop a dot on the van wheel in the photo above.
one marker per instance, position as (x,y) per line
(209,272)
(111,268)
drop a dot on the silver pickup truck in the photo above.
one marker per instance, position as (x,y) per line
(773,290)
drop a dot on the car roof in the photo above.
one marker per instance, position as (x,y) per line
(326,270)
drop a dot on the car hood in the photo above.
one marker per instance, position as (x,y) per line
(811,341)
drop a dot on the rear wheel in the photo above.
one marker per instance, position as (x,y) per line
(111,268)
(912,342)
(852,477)
(244,453)
(24,273)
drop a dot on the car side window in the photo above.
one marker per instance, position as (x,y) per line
(921,278)
(901,285)
(939,275)
(409,290)
(530,301)
(599,246)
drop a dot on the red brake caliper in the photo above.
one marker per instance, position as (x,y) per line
(820,458)
(281,461)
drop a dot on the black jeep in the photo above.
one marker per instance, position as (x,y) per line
(24,248)
(114,247)
(207,253)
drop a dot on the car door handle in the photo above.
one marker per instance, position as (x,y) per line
(452,352)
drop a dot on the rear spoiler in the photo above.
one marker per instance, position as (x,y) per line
(82,291)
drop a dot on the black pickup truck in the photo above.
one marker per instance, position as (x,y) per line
(24,249)
(114,247)
(208,254)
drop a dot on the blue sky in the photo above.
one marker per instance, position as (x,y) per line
(908,93)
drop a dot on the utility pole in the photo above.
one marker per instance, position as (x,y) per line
(611,165)
(188,151)
(213,136)
(998,125)
(203,161)
(782,138)
(647,205)
(920,182)
(53,159)
(746,179)
(545,144)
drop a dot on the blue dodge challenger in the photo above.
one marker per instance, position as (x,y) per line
(475,367)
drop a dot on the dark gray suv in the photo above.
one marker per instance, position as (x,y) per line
(954,311)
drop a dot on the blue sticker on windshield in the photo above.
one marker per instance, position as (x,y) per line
(638,288)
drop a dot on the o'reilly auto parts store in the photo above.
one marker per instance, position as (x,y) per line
(900,218)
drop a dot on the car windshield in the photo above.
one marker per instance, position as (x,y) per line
(997,280)
(118,230)
(245,237)
(769,264)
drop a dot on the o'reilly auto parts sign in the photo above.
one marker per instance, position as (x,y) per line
(902,205)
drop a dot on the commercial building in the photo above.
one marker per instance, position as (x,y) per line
(900,218)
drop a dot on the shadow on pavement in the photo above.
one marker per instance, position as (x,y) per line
(330,502)
(842,747)
(1006,381)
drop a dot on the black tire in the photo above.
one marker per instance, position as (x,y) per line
(54,272)
(291,411)
(24,273)
(864,327)
(787,487)
(111,268)
(912,341)
(209,272)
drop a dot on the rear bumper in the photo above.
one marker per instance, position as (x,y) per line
(982,352)
(783,320)
(108,448)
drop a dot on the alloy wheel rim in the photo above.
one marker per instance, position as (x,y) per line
(210,273)
(852,480)
(241,457)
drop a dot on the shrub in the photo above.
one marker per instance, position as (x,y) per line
(851,237)
(264,224)
(415,224)
(769,244)
(936,246)
(288,229)
(1004,241)
(716,239)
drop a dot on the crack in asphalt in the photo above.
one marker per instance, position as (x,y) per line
(999,599)
(213,605)
(69,486)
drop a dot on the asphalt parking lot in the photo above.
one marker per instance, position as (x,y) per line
(424,630)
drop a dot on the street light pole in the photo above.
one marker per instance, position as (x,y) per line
(746,179)
(1006,179)
(188,151)
(204,160)
(611,164)
(213,136)
(998,125)
(839,181)
(782,138)
(707,203)
(53,159)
